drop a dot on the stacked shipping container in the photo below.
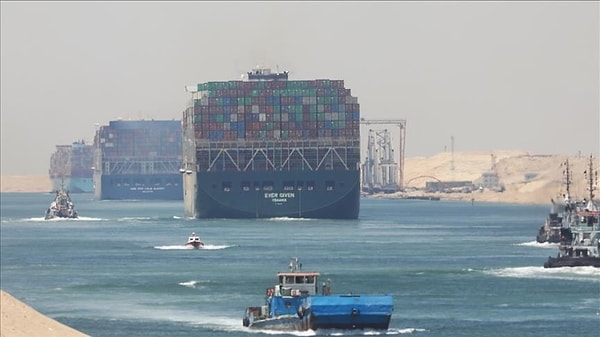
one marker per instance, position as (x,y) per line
(138,160)
(144,140)
(275,110)
(81,160)
(71,166)
(270,147)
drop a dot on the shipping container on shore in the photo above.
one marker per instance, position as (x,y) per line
(138,159)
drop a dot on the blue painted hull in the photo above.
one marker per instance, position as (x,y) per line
(342,201)
(351,312)
(282,323)
(74,184)
(341,312)
(139,187)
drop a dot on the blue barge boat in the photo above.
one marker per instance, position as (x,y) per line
(294,304)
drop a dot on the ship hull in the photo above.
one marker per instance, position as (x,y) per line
(223,195)
(62,215)
(567,261)
(351,312)
(340,312)
(138,187)
(282,323)
(74,184)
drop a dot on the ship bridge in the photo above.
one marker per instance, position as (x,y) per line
(266,74)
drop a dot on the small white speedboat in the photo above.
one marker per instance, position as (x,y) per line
(194,241)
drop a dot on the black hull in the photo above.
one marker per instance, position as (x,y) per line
(342,201)
(548,239)
(61,217)
(557,262)
(552,237)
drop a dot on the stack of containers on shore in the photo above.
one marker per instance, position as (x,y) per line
(272,110)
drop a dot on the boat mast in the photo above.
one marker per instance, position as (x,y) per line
(592,178)
(567,177)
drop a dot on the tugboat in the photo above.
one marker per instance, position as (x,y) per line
(580,243)
(194,241)
(560,213)
(294,304)
(550,231)
(62,206)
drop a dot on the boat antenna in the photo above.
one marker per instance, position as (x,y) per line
(592,178)
(295,265)
(567,177)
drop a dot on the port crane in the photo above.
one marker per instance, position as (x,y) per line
(379,167)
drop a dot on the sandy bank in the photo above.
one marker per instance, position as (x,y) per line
(20,320)
(25,183)
(528,178)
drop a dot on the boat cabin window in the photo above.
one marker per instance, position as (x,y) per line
(299,279)
(300,185)
(310,185)
(305,279)
(329,185)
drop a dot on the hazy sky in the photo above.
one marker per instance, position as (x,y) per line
(493,75)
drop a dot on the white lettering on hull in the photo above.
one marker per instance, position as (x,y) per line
(281,197)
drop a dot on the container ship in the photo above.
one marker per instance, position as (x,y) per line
(267,146)
(71,167)
(138,160)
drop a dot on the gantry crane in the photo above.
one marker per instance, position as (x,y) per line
(388,161)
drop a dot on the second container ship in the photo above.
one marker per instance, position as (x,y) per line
(138,159)
(71,168)
(271,147)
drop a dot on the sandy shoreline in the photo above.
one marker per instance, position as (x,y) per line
(20,320)
(512,166)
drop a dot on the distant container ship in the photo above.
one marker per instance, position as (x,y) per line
(138,160)
(71,168)
(271,147)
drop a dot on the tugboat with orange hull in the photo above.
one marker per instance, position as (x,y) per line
(294,304)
